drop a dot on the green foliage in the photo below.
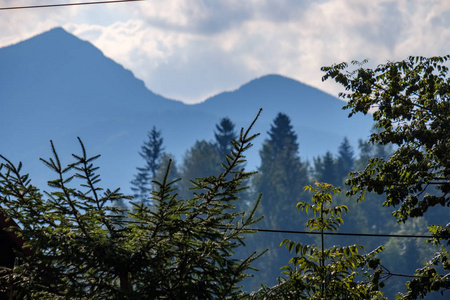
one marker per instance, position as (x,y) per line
(167,158)
(85,247)
(428,279)
(326,273)
(405,255)
(369,150)
(205,158)
(330,218)
(411,104)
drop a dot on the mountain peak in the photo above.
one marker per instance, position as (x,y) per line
(58,67)
(55,34)
(55,31)
(273,77)
(272,81)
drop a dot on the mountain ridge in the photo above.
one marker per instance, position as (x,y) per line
(57,50)
(56,86)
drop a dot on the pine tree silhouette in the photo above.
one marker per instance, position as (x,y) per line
(151,151)
(224,135)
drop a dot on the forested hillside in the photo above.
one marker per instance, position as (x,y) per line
(281,178)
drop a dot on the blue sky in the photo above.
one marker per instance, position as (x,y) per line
(192,49)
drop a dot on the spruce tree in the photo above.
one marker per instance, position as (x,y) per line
(281,174)
(199,161)
(224,135)
(325,168)
(82,248)
(151,151)
(281,177)
(173,175)
(205,157)
(345,161)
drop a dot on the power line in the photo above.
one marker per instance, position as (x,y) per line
(332,233)
(67,4)
(352,234)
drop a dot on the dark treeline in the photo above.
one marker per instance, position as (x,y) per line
(281,178)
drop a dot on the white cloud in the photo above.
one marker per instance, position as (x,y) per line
(189,50)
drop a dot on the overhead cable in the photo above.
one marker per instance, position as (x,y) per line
(353,234)
(67,4)
(333,233)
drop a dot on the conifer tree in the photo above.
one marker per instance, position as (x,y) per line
(173,175)
(83,249)
(224,135)
(205,157)
(345,161)
(325,168)
(151,151)
(281,173)
(280,179)
(199,161)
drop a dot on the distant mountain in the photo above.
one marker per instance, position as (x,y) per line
(318,118)
(56,86)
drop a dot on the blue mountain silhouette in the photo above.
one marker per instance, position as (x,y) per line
(55,86)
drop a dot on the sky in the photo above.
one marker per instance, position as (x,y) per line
(189,50)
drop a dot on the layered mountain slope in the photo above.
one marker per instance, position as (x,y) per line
(56,78)
(56,86)
(317,117)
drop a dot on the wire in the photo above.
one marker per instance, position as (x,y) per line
(333,233)
(389,274)
(351,234)
(67,4)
